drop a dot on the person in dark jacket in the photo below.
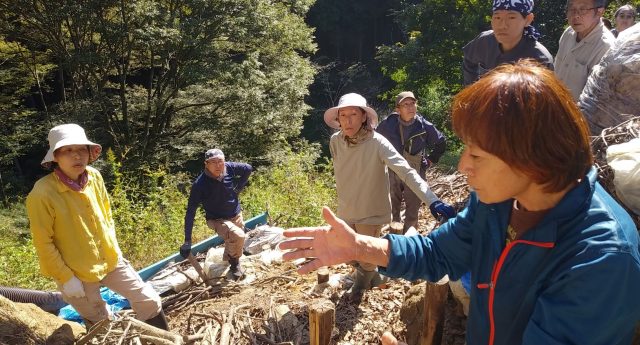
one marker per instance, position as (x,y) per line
(511,38)
(420,143)
(217,189)
(554,259)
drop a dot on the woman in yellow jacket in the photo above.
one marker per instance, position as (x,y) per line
(74,233)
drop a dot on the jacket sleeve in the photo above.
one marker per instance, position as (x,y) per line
(408,175)
(244,170)
(469,67)
(332,144)
(438,150)
(41,220)
(435,141)
(446,250)
(190,214)
(594,303)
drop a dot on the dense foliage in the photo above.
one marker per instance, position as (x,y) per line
(158,81)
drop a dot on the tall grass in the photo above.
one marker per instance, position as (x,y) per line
(19,264)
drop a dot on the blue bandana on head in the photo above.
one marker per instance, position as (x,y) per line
(523,6)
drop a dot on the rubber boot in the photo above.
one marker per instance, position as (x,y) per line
(159,321)
(362,281)
(236,270)
(378,279)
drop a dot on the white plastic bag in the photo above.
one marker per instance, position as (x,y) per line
(263,237)
(214,265)
(624,160)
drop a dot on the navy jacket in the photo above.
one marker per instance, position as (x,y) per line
(572,279)
(218,198)
(420,136)
(483,54)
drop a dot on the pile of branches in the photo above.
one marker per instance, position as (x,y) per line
(450,186)
(129,330)
(203,324)
(619,134)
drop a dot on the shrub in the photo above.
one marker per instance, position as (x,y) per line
(19,266)
(294,190)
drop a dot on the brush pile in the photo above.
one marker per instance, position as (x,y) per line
(619,134)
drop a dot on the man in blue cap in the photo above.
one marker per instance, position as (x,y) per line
(217,189)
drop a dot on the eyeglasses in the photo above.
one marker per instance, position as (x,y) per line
(578,11)
(626,16)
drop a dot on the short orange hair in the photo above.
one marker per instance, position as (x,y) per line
(525,116)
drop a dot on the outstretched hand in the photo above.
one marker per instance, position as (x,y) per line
(328,245)
(388,339)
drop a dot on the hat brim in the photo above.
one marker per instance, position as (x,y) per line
(403,98)
(331,116)
(96,149)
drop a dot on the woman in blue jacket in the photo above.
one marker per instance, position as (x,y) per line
(553,258)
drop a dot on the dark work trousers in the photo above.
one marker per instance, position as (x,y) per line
(399,191)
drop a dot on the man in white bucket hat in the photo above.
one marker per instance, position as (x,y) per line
(74,233)
(360,160)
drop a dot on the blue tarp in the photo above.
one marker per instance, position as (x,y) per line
(115,302)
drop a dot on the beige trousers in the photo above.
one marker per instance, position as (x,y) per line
(369,230)
(232,232)
(124,280)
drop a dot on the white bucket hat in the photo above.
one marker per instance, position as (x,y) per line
(69,134)
(350,100)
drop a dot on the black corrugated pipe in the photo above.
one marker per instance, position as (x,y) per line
(50,301)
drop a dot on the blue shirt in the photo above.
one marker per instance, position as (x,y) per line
(571,279)
(218,198)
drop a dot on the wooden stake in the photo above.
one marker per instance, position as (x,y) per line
(198,268)
(323,275)
(435,299)
(322,317)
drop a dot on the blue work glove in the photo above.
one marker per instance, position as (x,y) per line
(185,249)
(442,211)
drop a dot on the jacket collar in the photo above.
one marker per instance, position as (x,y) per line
(594,36)
(207,174)
(62,187)
(577,199)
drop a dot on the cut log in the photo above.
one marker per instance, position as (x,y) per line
(323,275)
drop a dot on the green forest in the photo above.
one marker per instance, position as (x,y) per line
(157,82)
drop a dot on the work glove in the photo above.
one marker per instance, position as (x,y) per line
(73,288)
(442,211)
(185,249)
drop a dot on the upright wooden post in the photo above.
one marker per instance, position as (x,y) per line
(435,299)
(322,317)
(323,275)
